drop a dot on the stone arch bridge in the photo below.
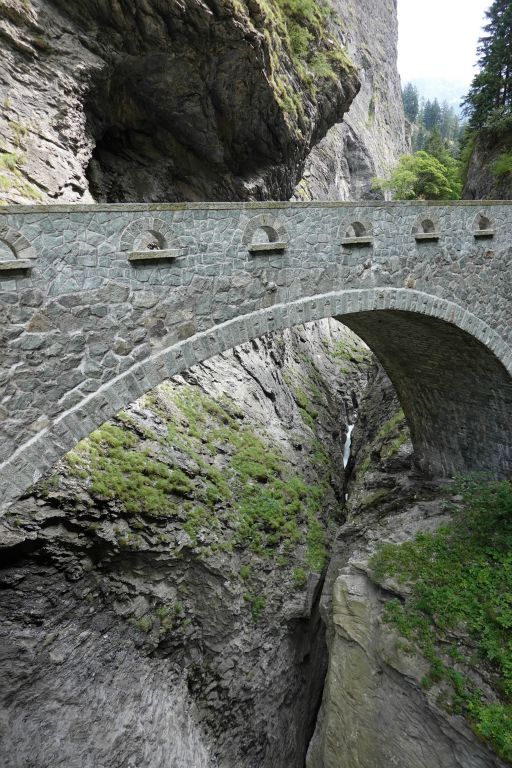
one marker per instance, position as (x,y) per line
(101,303)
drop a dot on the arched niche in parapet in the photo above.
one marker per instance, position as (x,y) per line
(426,229)
(357,234)
(17,256)
(150,239)
(482,227)
(265,234)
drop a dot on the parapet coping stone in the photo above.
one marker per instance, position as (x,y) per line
(426,236)
(150,207)
(16,265)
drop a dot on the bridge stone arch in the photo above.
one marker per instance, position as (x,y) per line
(393,323)
(446,344)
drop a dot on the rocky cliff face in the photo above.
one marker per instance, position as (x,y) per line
(482,182)
(116,101)
(376,709)
(236,98)
(159,601)
(373,134)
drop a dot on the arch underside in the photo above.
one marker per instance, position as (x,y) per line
(455,393)
(452,372)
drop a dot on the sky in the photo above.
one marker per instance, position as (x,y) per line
(438,39)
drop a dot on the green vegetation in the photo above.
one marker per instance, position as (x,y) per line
(435,170)
(245,572)
(430,118)
(386,443)
(308,412)
(394,445)
(255,501)
(166,618)
(459,609)
(488,104)
(411,101)
(169,617)
(300,30)
(396,420)
(300,577)
(423,176)
(11,166)
(145,624)
(257,604)
(490,95)
(502,166)
(350,351)
(306,24)
(19,131)
(120,472)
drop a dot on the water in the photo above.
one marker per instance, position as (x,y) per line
(348,445)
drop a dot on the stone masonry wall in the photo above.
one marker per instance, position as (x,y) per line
(86,331)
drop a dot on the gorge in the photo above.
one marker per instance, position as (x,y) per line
(186,564)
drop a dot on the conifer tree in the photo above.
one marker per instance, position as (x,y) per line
(491,91)
(432,115)
(410,98)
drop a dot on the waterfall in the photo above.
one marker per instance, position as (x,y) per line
(348,445)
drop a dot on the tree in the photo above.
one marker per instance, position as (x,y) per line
(423,177)
(410,99)
(450,124)
(491,89)
(432,115)
(436,146)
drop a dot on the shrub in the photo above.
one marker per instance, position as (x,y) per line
(299,576)
(461,578)
(502,166)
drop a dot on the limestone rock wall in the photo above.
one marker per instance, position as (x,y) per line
(226,112)
(373,134)
(162,101)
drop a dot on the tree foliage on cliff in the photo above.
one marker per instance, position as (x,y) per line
(423,176)
(304,31)
(490,95)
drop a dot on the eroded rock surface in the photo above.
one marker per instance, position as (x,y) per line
(164,100)
(183,629)
(375,710)
(373,134)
